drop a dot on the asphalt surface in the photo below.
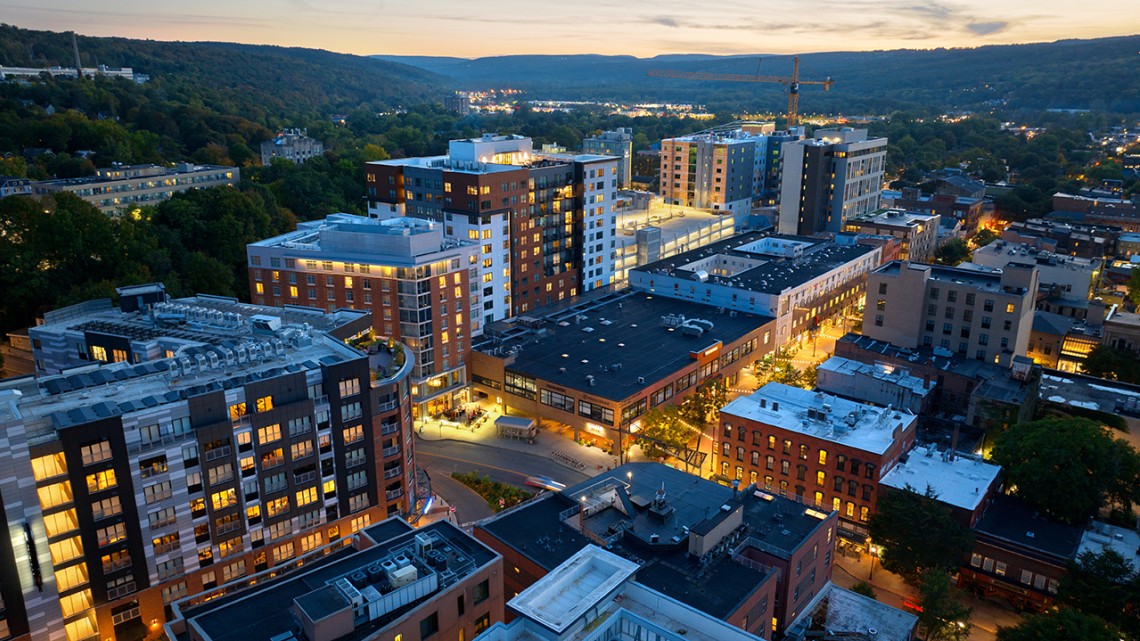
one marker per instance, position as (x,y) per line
(441,458)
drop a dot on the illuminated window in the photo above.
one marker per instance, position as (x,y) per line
(269,434)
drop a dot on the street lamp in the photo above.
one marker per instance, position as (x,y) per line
(874,549)
(582,515)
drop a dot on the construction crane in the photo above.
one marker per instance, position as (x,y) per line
(791,83)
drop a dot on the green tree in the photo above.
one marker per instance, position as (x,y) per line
(984,237)
(901,526)
(1038,459)
(1134,286)
(1105,585)
(864,588)
(1106,362)
(1065,624)
(943,616)
(662,426)
(952,252)
(701,406)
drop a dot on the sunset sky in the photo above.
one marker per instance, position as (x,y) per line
(473,28)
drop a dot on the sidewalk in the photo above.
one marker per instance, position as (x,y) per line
(986,618)
(549,444)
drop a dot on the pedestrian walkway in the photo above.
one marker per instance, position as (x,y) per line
(549,444)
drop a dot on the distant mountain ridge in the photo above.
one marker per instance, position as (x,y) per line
(257,77)
(1069,74)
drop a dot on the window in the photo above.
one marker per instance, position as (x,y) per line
(481,592)
(96,452)
(301,449)
(277,506)
(162,518)
(221,473)
(283,553)
(349,387)
(823,457)
(556,400)
(106,508)
(166,543)
(223,499)
(482,623)
(265,403)
(1000,569)
(169,569)
(429,625)
(353,434)
(100,481)
(1009,308)
(357,502)
(307,496)
(157,492)
(269,434)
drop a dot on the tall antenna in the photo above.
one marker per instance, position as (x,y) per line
(78,65)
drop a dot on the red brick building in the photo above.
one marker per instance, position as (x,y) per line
(822,450)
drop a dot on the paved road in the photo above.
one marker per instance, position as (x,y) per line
(441,458)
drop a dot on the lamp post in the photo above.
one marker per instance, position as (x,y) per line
(582,515)
(874,549)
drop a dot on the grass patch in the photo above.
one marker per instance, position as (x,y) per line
(498,495)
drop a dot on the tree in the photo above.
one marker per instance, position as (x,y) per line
(942,617)
(1038,459)
(662,426)
(1104,585)
(1134,287)
(1106,362)
(1065,624)
(952,252)
(902,526)
(864,588)
(702,405)
(984,237)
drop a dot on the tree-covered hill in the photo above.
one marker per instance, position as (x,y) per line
(254,81)
(1068,74)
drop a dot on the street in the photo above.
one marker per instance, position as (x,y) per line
(441,458)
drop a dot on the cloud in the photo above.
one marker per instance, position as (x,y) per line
(665,21)
(987,28)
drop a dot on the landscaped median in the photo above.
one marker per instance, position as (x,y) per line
(498,495)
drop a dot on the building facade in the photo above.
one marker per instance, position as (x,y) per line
(388,581)
(183,445)
(598,367)
(819,449)
(835,176)
(292,144)
(801,282)
(420,287)
(917,231)
(617,143)
(120,187)
(979,314)
(744,556)
(545,223)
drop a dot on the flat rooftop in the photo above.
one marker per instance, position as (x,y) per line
(880,371)
(1010,519)
(672,220)
(961,482)
(132,172)
(1090,393)
(1103,536)
(769,263)
(620,341)
(446,163)
(1001,252)
(218,343)
(823,416)
(982,278)
(894,218)
(846,614)
(561,597)
(539,531)
(262,611)
(934,358)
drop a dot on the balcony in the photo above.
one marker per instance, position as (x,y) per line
(394,494)
(392,473)
(391,451)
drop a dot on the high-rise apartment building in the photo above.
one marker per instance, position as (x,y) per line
(545,223)
(421,288)
(617,143)
(724,170)
(974,311)
(835,176)
(170,447)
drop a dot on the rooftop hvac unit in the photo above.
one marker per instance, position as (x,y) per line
(423,543)
(403,576)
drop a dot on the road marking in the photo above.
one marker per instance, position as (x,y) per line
(463,460)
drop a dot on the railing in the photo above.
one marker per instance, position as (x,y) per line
(304,477)
(392,473)
(394,494)
(391,451)
(389,428)
(219,452)
(387,407)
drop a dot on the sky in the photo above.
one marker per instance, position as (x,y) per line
(474,28)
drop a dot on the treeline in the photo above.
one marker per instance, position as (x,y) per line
(61,250)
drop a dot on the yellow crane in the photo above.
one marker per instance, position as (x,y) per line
(791,83)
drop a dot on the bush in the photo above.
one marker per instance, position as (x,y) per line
(498,495)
